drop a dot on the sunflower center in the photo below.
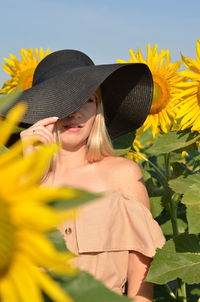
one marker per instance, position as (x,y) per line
(26,78)
(160,95)
(6,238)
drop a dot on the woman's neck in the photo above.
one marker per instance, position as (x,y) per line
(68,160)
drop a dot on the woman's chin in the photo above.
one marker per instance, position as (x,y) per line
(73,144)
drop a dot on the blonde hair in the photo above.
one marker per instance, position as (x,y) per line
(99,143)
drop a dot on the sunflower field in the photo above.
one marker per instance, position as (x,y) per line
(34,263)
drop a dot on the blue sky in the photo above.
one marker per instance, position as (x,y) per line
(104,29)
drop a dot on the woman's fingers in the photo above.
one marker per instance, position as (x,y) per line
(42,130)
(46,121)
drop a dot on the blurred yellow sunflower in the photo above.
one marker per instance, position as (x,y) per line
(188,109)
(25,216)
(136,146)
(165,78)
(21,71)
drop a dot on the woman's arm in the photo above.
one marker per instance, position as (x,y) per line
(138,266)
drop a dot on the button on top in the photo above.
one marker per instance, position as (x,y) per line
(68,231)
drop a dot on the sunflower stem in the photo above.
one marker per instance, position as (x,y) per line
(163,178)
(182,290)
(170,292)
(173,205)
(167,165)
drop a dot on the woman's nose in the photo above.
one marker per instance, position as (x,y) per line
(75,114)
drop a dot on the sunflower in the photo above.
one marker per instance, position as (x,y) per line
(134,154)
(165,78)
(188,109)
(21,71)
(25,216)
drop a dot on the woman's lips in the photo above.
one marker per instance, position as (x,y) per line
(72,127)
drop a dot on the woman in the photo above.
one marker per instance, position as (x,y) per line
(115,236)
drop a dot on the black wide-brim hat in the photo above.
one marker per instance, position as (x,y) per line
(65,80)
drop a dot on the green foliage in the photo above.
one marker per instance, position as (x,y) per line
(167,226)
(8,100)
(123,144)
(179,258)
(57,239)
(82,287)
(156,206)
(191,199)
(81,197)
(189,187)
(173,184)
(182,183)
(173,141)
(3,149)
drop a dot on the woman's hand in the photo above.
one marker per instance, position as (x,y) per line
(42,130)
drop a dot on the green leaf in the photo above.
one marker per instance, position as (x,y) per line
(58,240)
(187,243)
(18,129)
(122,152)
(181,184)
(194,293)
(156,206)
(193,159)
(189,186)
(84,288)
(81,198)
(146,139)
(179,169)
(123,144)
(191,199)
(7,100)
(172,141)
(168,264)
(3,149)
(167,226)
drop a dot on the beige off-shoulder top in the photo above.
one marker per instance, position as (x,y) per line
(104,232)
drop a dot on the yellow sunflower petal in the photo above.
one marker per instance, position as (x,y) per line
(26,165)
(25,282)
(155,124)
(198,49)
(192,64)
(21,71)
(163,124)
(23,243)
(52,289)
(184,109)
(189,118)
(196,124)
(39,249)
(7,291)
(13,117)
(190,75)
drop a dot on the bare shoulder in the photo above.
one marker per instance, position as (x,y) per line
(126,176)
(122,166)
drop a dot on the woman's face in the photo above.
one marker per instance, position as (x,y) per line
(75,129)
